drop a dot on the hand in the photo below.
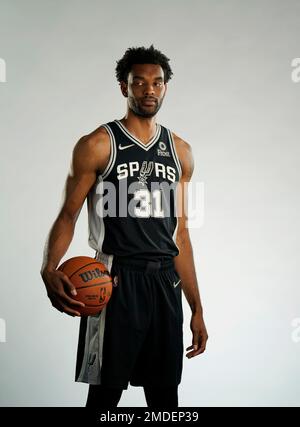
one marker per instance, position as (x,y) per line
(58,286)
(200,336)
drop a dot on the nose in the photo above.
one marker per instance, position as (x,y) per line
(149,89)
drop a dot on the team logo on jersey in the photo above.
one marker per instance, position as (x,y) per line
(161,151)
(123,147)
(135,169)
(145,172)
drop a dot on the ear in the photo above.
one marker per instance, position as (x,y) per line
(124,89)
(166,87)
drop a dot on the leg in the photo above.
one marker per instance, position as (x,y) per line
(164,397)
(100,396)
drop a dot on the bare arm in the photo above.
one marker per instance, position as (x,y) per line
(90,155)
(184,262)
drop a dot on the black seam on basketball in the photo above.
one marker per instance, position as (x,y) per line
(91,263)
(96,284)
(93,306)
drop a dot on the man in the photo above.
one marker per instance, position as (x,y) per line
(138,336)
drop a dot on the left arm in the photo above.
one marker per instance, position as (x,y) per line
(184,261)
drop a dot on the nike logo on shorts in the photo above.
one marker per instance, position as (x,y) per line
(175,284)
(123,147)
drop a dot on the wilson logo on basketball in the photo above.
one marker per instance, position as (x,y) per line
(92,274)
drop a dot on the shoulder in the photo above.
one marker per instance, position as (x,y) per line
(98,138)
(93,148)
(185,155)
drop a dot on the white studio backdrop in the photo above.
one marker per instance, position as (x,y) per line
(235,97)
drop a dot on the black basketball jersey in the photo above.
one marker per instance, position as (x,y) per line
(132,205)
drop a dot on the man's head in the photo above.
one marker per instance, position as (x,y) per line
(143,74)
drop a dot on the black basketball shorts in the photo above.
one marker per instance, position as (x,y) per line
(138,337)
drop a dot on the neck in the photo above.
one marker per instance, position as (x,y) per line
(143,128)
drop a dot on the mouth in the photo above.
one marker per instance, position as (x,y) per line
(149,102)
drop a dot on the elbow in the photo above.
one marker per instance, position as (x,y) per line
(183,237)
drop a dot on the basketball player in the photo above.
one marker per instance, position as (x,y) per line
(137,338)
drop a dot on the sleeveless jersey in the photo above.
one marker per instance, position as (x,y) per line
(132,204)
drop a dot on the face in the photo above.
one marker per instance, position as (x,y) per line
(145,89)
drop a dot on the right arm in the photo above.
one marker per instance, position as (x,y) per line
(90,155)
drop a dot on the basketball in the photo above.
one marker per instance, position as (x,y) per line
(92,282)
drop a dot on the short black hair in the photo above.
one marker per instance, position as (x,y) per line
(142,55)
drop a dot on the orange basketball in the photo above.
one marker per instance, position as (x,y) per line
(92,282)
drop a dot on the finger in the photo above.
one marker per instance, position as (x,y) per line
(197,352)
(191,353)
(70,301)
(60,308)
(189,348)
(200,351)
(70,311)
(61,295)
(68,284)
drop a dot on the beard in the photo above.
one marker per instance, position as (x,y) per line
(142,111)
